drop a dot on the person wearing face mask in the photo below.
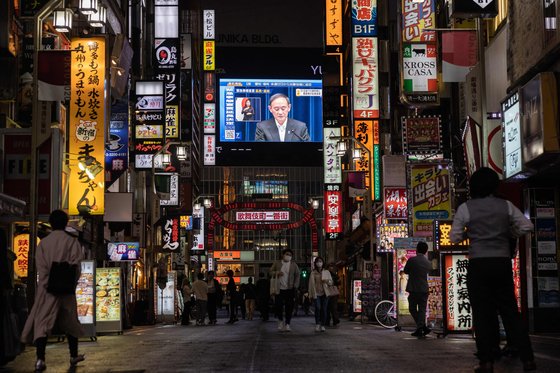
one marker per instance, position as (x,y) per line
(319,280)
(284,276)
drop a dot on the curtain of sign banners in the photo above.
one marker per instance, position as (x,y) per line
(458,306)
(430,197)
(87,118)
(334,22)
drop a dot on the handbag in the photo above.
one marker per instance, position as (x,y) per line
(63,278)
(332,290)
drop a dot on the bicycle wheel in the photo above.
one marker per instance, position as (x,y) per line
(385,314)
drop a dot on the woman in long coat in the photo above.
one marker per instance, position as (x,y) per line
(48,309)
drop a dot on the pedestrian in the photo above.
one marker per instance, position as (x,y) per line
(200,289)
(250,295)
(187,303)
(319,279)
(231,289)
(49,309)
(240,301)
(285,280)
(263,296)
(306,303)
(417,269)
(214,294)
(332,306)
(490,223)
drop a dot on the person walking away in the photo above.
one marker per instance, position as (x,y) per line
(187,303)
(51,310)
(332,304)
(250,294)
(417,269)
(490,223)
(285,276)
(214,290)
(319,279)
(263,296)
(200,289)
(241,301)
(232,294)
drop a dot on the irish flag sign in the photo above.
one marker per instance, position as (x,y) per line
(420,68)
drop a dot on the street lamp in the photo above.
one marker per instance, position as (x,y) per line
(342,145)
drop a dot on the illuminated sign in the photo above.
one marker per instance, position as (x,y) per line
(107,296)
(208,24)
(120,251)
(367,133)
(512,136)
(365,77)
(416,18)
(209,55)
(419,68)
(87,127)
(442,237)
(21,249)
(356,295)
(456,295)
(333,170)
(173,192)
(364,18)
(262,215)
(395,205)
(333,22)
(227,255)
(209,148)
(333,211)
(209,118)
(421,135)
(386,234)
(170,234)
(186,222)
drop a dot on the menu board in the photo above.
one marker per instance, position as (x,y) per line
(107,293)
(458,315)
(84,292)
(166,301)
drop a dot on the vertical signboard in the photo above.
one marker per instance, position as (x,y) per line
(208,24)
(511,132)
(364,18)
(87,127)
(209,118)
(108,299)
(165,298)
(209,55)
(401,257)
(148,123)
(430,196)
(367,133)
(395,205)
(356,296)
(419,68)
(333,170)
(167,70)
(198,235)
(170,234)
(333,211)
(458,315)
(365,86)
(333,24)
(116,147)
(209,150)
(417,19)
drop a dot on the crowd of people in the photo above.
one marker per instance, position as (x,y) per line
(278,290)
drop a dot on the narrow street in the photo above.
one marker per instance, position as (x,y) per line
(254,346)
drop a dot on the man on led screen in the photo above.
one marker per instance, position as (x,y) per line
(281,128)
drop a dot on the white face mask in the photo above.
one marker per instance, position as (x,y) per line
(287,258)
(319,264)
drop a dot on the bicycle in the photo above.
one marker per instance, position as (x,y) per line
(386,314)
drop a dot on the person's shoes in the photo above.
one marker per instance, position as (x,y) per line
(317,328)
(487,367)
(280,326)
(510,351)
(322,328)
(287,328)
(529,365)
(75,360)
(40,365)
(417,333)
(426,330)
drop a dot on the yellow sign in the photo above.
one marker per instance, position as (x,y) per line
(172,122)
(367,133)
(87,127)
(333,22)
(21,249)
(209,55)
(443,236)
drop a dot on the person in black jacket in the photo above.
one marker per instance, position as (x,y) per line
(232,294)
(214,294)
(263,296)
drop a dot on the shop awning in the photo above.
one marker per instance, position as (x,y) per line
(10,207)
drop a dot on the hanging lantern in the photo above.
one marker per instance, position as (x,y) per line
(98,19)
(87,7)
(62,20)
(181,152)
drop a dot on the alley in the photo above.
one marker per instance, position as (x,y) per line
(254,346)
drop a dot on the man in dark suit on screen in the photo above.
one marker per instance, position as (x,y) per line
(281,128)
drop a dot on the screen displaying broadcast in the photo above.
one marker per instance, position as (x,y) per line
(270,110)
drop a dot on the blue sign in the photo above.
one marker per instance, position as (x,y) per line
(116,147)
(123,251)
(364,18)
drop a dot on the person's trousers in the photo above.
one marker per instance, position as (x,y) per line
(185,318)
(250,306)
(417,302)
(490,286)
(321,310)
(212,306)
(333,310)
(41,344)
(263,308)
(285,305)
(232,308)
(202,305)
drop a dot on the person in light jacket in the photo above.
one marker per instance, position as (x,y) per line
(319,281)
(284,282)
(490,223)
(48,309)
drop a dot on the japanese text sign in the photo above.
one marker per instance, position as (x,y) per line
(333,170)
(121,251)
(262,215)
(442,237)
(416,18)
(457,303)
(386,234)
(395,203)
(333,22)
(333,211)
(365,77)
(367,133)
(170,233)
(364,17)
(86,129)
(209,55)
(21,249)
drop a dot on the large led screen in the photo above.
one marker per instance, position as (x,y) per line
(270,110)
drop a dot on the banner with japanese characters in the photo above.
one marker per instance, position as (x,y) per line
(116,147)
(333,211)
(429,196)
(167,70)
(170,236)
(21,249)
(367,133)
(395,205)
(86,140)
(333,23)
(458,315)
(364,18)
(332,166)
(417,19)
(365,80)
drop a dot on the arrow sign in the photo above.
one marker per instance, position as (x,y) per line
(482,3)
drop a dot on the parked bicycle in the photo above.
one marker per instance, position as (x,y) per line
(386,314)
